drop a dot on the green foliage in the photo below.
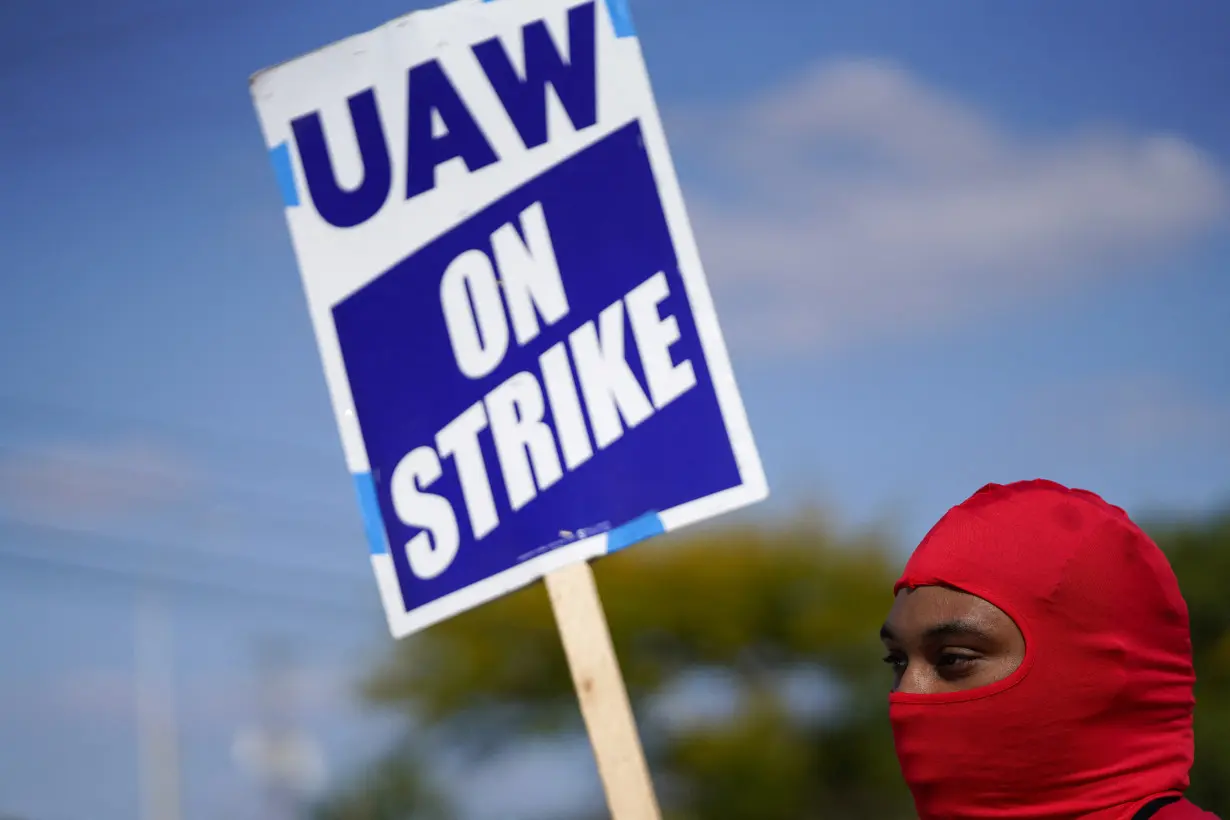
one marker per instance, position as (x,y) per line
(757,604)
(396,788)
(1200,555)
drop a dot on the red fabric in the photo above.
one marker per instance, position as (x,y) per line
(1183,810)
(1098,718)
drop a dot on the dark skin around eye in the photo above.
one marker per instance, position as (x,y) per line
(941,640)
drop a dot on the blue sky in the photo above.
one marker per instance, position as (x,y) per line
(162,408)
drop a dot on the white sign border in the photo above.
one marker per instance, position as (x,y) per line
(753,485)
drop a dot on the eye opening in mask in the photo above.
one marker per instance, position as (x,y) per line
(951,644)
(953,647)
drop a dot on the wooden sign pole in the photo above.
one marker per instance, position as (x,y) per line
(600,689)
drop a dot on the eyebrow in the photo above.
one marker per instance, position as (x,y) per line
(957,629)
(948,629)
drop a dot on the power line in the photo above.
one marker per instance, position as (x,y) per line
(274,507)
(137,561)
(148,551)
(41,409)
(203,571)
(130,579)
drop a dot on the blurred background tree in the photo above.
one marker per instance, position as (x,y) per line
(783,622)
(397,787)
(1199,551)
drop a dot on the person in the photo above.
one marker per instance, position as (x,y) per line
(1042,664)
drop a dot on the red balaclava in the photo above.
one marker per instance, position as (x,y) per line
(1098,718)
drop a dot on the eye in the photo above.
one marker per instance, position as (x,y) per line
(949,659)
(953,664)
(895,660)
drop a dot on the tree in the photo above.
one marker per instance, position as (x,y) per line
(397,788)
(760,607)
(1199,551)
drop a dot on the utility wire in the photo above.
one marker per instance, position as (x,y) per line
(213,588)
(135,561)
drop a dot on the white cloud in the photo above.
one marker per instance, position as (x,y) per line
(90,485)
(855,199)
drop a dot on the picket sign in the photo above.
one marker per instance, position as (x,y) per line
(517,335)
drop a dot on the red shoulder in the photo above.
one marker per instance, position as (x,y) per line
(1183,810)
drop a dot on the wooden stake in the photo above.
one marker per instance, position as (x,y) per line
(601,691)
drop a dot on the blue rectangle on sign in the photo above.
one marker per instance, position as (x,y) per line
(590,414)
(284,170)
(373,523)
